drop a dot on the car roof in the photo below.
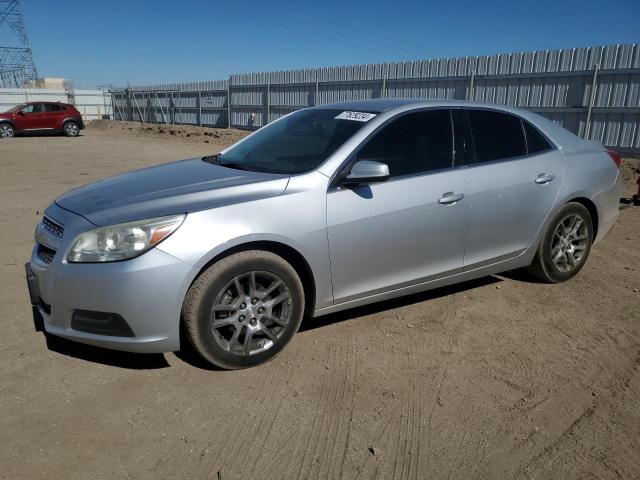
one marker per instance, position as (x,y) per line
(558,135)
(55,102)
(379,105)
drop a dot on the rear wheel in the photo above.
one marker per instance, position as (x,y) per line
(565,245)
(244,309)
(71,129)
(7,130)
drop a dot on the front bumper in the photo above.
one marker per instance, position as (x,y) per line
(147,292)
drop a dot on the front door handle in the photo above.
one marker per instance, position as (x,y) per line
(543,178)
(450,197)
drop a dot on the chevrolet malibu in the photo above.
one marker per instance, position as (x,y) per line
(325,209)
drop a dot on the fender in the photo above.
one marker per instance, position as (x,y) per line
(77,120)
(318,277)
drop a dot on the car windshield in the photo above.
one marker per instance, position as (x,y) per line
(16,108)
(296,144)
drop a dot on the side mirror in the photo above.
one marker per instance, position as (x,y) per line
(21,113)
(367,171)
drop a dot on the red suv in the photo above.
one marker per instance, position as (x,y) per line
(41,117)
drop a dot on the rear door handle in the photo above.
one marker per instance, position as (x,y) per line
(450,197)
(543,178)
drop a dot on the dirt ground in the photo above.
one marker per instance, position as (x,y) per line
(496,378)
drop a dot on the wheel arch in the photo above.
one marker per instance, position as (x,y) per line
(591,208)
(67,120)
(6,120)
(288,253)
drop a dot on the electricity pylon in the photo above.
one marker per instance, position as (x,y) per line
(17,68)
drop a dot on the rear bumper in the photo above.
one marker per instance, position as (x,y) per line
(608,206)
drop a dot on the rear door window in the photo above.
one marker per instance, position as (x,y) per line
(51,107)
(412,144)
(496,135)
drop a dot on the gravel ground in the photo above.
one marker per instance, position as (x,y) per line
(495,378)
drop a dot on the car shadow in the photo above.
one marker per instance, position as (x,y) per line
(379,307)
(113,358)
(520,275)
(45,135)
(141,361)
(189,355)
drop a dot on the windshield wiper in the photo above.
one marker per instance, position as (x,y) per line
(233,165)
(214,159)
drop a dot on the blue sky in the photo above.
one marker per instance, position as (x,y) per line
(115,42)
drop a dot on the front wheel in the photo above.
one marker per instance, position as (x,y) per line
(565,245)
(244,309)
(7,130)
(71,129)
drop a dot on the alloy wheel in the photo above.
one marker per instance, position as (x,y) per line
(569,243)
(6,131)
(251,313)
(71,129)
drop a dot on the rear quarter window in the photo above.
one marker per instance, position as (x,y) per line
(536,143)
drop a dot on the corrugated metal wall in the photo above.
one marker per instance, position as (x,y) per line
(92,104)
(555,83)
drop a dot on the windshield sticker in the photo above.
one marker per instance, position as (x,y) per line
(357,116)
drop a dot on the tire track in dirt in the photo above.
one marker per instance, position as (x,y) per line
(344,417)
(594,461)
(327,392)
(327,430)
(268,410)
(293,448)
(412,420)
(217,446)
(329,436)
(265,407)
(430,415)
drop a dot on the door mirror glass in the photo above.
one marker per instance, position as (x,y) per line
(367,171)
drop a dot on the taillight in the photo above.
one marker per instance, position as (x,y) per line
(615,156)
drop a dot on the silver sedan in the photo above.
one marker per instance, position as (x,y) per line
(325,209)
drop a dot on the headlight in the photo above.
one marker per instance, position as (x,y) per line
(123,241)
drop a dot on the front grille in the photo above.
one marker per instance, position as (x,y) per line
(52,227)
(48,236)
(45,255)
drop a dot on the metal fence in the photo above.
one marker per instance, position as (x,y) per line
(92,104)
(592,91)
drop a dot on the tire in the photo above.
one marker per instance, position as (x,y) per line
(562,254)
(71,129)
(7,130)
(250,325)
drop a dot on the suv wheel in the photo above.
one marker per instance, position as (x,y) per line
(565,245)
(244,309)
(7,130)
(71,129)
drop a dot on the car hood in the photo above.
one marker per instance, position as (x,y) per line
(178,187)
